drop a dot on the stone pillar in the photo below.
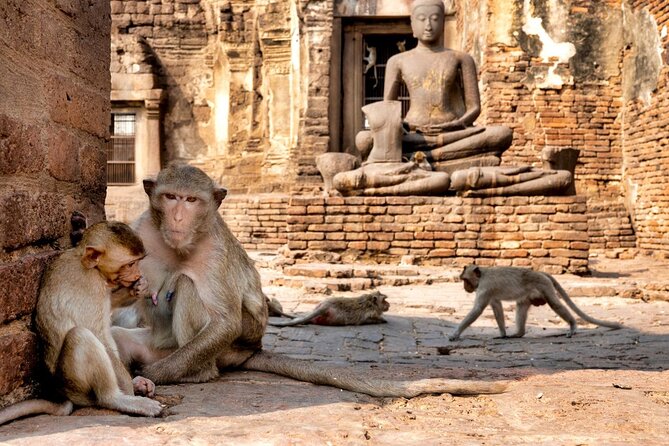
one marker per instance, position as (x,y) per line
(151,156)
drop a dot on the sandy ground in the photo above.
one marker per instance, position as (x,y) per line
(601,387)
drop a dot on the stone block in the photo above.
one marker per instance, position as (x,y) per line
(19,353)
(63,158)
(27,217)
(20,147)
(21,279)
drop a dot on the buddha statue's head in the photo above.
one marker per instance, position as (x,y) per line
(427,20)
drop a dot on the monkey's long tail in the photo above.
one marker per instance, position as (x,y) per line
(34,407)
(336,377)
(301,319)
(572,305)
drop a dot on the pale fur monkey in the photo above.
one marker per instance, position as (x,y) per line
(361,310)
(73,321)
(218,315)
(523,286)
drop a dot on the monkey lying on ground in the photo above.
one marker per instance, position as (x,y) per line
(218,314)
(73,321)
(526,287)
(365,309)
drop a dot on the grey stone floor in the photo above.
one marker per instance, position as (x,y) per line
(600,387)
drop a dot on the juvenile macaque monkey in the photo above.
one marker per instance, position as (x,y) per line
(218,314)
(73,322)
(365,309)
(420,159)
(526,288)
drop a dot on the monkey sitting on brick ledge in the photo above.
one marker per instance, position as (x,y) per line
(217,315)
(526,288)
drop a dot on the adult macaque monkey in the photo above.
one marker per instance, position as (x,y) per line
(73,321)
(526,288)
(218,314)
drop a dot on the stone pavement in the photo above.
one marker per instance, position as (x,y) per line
(600,387)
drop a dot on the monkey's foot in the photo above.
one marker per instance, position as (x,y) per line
(143,386)
(516,335)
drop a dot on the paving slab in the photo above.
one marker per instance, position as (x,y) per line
(599,387)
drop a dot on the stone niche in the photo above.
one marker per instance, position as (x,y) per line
(548,234)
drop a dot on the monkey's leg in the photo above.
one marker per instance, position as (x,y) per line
(134,346)
(499,317)
(562,311)
(88,375)
(467,321)
(246,345)
(522,307)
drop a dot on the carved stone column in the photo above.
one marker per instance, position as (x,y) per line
(152,155)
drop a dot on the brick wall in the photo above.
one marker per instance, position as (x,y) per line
(573,104)
(646,146)
(54,118)
(610,229)
(259,221)
(545,233)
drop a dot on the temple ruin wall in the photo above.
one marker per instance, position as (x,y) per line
(252,89)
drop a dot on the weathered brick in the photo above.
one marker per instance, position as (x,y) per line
(20,148)
(19,353)
(42,217)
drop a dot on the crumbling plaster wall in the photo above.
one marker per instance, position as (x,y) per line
(54,120)
(552,70)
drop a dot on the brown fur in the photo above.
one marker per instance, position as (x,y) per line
(361,310)
(526,288)
(73,321)
(218,315)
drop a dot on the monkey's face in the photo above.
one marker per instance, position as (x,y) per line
(182,216)
(129,273)
(116,264)
(470,278)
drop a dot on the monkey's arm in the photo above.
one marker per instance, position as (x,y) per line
(186,360)
(479,306)
(205,333)
(499,316)
(122,375)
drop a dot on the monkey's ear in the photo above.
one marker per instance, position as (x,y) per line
(477,271)
(219,195)
(91,257)
(149,186)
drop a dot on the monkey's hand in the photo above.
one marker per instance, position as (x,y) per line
(143,386)
(454,337)
(140,288)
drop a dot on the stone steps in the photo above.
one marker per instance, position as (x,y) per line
(327,278)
